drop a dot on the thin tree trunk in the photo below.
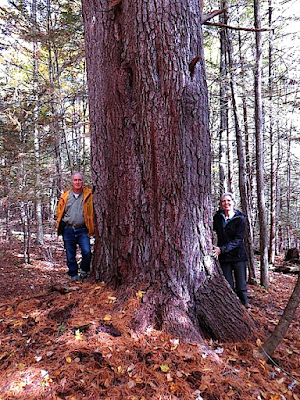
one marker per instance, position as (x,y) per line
(85,120)
(224,187)
(54,126)
(38,197)
(248,177)
(7,221)
(264,267)
(278,235)
(23,190)
(273,182)
(279,332)
(242,164)
(229,161)
(5,227)
(288,189)
(24,213)
(281,237)
(248,151)
(26,231)
(60,113)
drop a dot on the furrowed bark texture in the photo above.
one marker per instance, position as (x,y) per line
(151,157)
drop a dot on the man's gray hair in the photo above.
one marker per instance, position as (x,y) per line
(77,173)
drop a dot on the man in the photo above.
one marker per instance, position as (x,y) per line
(75,223)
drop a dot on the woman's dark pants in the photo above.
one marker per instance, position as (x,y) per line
(239,284)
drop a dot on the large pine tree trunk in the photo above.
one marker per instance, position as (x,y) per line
(151,166)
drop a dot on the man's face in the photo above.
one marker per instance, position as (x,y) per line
(77,183)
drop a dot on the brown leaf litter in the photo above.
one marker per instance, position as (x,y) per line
(73,341)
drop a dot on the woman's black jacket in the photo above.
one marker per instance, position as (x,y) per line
(231,236)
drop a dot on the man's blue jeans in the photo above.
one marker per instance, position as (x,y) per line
(73,237)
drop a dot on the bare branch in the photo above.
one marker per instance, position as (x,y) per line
(206,17)
(237,28)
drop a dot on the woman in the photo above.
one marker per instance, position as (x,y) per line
(229,225)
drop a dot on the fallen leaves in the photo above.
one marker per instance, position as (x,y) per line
(140,294)
(81,345)
(164,368)
(78,335)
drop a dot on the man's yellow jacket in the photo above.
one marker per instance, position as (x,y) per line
(88,210)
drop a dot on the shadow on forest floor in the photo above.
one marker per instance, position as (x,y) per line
(75,343)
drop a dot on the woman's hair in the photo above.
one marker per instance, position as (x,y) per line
(229,195)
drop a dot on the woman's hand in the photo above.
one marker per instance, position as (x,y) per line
(216,251)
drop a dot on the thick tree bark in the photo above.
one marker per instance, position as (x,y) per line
(151,166)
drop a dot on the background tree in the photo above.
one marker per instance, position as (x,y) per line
(279,332)
(244,195)
(224,109)
(36,128)
(240,22)
(264,267)
(44,94)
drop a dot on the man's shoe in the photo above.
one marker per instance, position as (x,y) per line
(75,278)
(83,275)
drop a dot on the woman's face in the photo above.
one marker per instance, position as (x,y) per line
(227,203)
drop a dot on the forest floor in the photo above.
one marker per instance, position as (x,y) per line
(73,341)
